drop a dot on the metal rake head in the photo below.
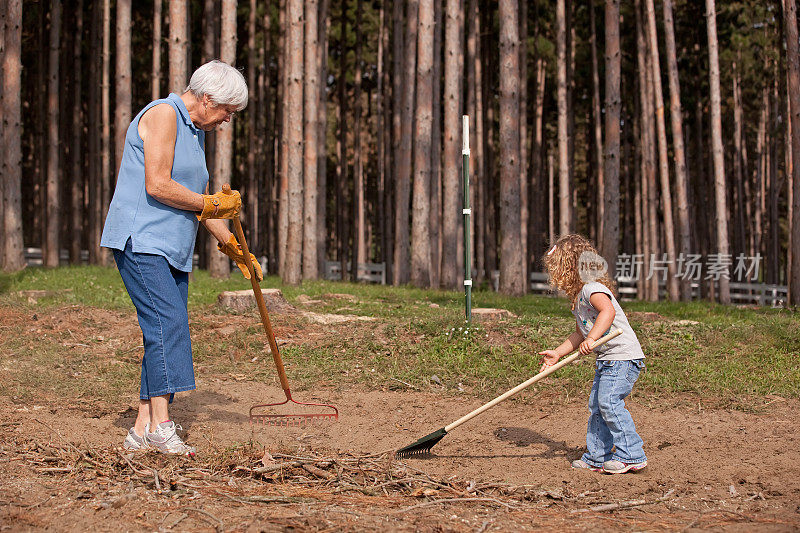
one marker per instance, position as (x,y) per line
(291,419)
(422,446)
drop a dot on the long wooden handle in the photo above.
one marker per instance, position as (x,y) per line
(543,374)
(262,308)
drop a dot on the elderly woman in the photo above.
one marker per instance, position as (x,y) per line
(161,196)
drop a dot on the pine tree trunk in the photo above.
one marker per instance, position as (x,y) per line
(663,156)
(206,245)
(381,130)
(420,219)
(650,239)
(524,183)
(323,23)
(451,196)
(310,149)
(760,172)
(609,177)
(403,164)
(105,121)
(612,61)
(294,141)
(251,194)
(676,116)
(540,216)
(93,187)
(740,242)
(77,182)
(359,219)
(398,55)
(564,211)
(13,257)
(219,265)
(790,29)
(718,156)
(155,82)
(178,45)
(512,267)
(475,111)
(341,148)
(387,242)
(2,154)
(52,245)
(122,77)
(436,150)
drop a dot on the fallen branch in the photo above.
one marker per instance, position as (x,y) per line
(624,505)
(452,500)
(209,517)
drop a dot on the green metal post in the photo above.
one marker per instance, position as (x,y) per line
(467,214)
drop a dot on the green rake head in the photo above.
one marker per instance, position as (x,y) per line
(422,446)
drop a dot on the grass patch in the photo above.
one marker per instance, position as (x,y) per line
(702,349)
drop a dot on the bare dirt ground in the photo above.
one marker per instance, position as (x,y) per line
(62,468)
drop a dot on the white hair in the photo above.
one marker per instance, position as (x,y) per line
(223,84)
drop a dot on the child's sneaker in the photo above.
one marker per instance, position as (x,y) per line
(134,442)
(166,440)
(618,467)
(580,464)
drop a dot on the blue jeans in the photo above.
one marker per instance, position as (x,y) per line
(612,434)
(160,294)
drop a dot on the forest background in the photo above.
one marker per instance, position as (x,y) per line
(350,149)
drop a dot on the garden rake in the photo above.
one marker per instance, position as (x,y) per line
(329,412)
(423,446)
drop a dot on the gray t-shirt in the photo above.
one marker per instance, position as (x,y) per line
(624,347)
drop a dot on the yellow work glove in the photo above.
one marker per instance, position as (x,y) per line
(224,204)
(233,249)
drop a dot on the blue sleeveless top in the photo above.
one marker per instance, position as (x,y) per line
(153,227)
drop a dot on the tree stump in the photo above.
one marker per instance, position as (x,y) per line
(244,301)
(484,314)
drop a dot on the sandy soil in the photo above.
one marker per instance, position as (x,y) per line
(718,469)
(728,470)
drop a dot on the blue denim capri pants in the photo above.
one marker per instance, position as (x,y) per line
(160,294)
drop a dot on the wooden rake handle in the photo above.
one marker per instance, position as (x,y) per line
(541,375)
(262,306)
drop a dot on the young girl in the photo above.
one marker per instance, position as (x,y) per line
(612,444)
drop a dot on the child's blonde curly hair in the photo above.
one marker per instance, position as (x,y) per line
(561,263)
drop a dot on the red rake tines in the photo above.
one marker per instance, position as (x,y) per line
(291,419)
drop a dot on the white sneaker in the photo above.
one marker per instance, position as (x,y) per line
(134,442)
(618,467)
(166,440)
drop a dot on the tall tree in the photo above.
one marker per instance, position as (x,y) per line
(403,164)
(310,149)
(564,200)
(294,141)
(453,58)
(219,265)
(122,92)
(599,170)
(13,258)
(178,45)
(679,157)
(436,150)
(610,227)
(663,156)
(77,181)
(323,23)
(359,216)
(793,66)
(155,82)
(720,194)
(53,233)
(420,237)
(254,154)
(105,121)
(512,266)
